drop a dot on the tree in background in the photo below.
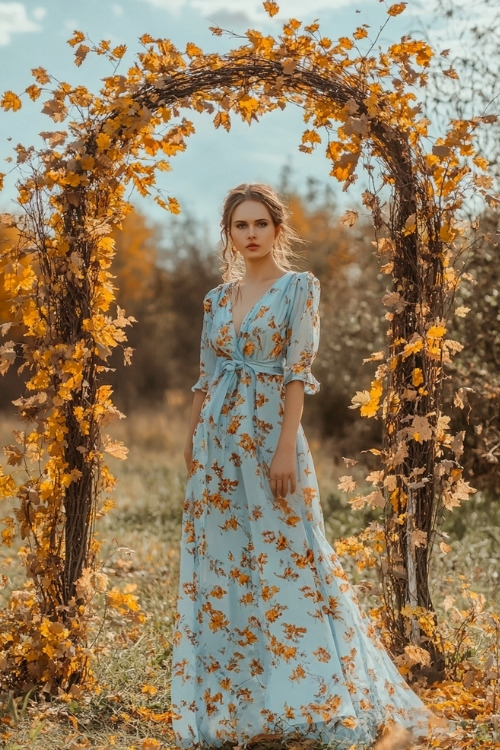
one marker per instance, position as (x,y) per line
(476,376)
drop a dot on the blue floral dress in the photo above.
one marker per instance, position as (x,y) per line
(269,636)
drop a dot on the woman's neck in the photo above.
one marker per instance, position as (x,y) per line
(258,273)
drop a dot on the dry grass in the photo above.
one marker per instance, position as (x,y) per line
(129,709)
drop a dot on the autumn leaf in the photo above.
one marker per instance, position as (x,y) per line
(40,75)
(271,7)
(421,429)
(81,53)
(33,92)
(396,9)
(419,538)
(361,32)
(55,109)
(359,398)
(119,51)
(10,100)
(436,331)
(417,377)
(349,218)
(77,38)
(174,206)
(346,484)
(115,448)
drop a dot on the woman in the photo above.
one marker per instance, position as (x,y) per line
(269,637)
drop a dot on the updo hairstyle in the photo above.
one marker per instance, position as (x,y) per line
(232,263)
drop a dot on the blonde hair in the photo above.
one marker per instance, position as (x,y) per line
(232,264)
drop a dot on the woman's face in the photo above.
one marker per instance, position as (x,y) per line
(252,230)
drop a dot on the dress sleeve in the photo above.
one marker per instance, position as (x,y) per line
(207,354)
(303,333)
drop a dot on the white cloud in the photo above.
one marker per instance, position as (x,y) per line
(117,10)
(14,19)
(39,13)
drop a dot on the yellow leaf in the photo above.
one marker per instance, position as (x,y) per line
(119,51)
(410,225)
(192,50)
(271,7)
(369,408)
(248,106)
(33,92)
(360,33)
(10,101)
(149,689)
(396,9)
(436,332)
(462,311)
(417,377)
(103,141)
(173,206)
(447,233)
(346,43)
(311,136)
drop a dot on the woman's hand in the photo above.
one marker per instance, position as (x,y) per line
(282,472)
(188,454)
(198,399)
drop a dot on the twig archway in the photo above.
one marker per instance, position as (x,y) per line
(58,276)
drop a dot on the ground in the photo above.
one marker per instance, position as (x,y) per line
(128,709)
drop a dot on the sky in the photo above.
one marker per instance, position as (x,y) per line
(34,33)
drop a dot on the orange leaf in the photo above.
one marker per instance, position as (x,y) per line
(33,92)
(360,33)
(119,51)
(78,38)
(396,9)
(10,101)
(40,75)
(271,7)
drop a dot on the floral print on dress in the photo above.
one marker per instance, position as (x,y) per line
(269,636)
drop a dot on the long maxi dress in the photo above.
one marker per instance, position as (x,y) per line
(269,636)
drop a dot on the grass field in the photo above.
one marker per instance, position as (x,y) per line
(140,538)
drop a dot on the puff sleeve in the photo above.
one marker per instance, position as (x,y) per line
(207,354)
(303,333)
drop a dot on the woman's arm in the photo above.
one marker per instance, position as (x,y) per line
(282,473)
(198,399)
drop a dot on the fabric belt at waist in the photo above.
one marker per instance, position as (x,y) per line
(226,373)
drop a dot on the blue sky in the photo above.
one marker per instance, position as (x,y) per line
(34,33)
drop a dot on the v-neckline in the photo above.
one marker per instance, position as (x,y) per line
(257,302)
